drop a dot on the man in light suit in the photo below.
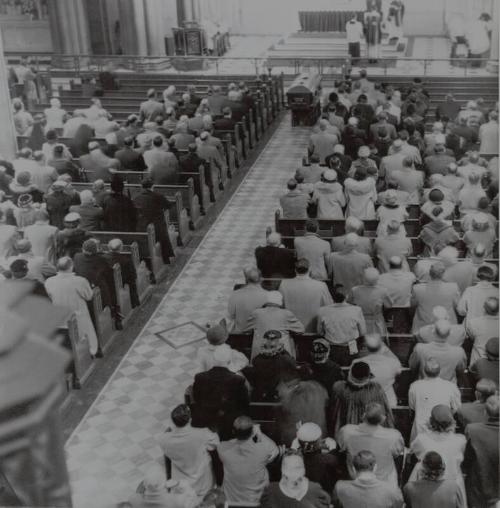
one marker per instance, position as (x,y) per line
(304,296)
(150,109)
(427,295)
(348,265)
(315,250)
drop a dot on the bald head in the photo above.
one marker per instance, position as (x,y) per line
(115,245)
(492,406)
(432,368)
(353,225)
(373,342)
(351,241)
(443,328)
(491,306)
(252,275)
(371,276)
(274,240)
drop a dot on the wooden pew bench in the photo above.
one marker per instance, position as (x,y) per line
(178,212)
(149,249)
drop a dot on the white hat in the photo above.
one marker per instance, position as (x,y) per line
(330,175)
(309,432)
(275,297)
(72,217)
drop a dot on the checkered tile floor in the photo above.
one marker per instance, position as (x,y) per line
(116,441)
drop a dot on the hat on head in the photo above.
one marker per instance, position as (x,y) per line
(217,334)
(59,184)
(364,151)
(479,220)
(442,414)
(359,374)
(275,297)
(272,335)
(309,432)
(204,136)
(24,200)
(330,175)
(492,347)
(24,178)
(19,265)
(93,145)
(72,217)
(440,313)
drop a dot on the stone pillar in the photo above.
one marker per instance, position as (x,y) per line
(492,65)
(189,10)
(69,27)
(133,27)
(8,144)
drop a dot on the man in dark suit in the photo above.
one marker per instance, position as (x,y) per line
(274,261)
(91,265)
(220,396)
(119,211)
(150,208)
(481,458)
(227,122)
(130,159)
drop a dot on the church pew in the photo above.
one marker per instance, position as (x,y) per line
(288,227)
(103,322)
(200,188)
(403,421)
(236,140)
(122,293)
(143,280)
(178,213)
(148,247)
(81,361)
(401,345)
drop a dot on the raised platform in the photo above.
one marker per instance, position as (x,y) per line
(325,45)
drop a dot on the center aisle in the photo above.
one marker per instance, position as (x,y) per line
(117,440)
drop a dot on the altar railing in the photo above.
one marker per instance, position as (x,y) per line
(81,65)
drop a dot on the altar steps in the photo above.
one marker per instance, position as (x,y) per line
(330,45)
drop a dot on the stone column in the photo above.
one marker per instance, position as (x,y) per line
(8,144)
(133,27)
(492,65)
(69,27)
(189,10)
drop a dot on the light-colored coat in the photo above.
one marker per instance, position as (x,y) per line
(430,294)
(316,251)
(304,296)
(72,291)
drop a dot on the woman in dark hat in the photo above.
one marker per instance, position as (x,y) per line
(441,438)
(350,397)
(431,489)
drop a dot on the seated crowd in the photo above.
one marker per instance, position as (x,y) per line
(331,432)
(48,223)
(297,402)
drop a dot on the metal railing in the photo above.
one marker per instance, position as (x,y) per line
(81,65)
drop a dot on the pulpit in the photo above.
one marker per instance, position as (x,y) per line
(190,40)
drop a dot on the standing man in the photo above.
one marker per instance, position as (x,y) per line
(354,31)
